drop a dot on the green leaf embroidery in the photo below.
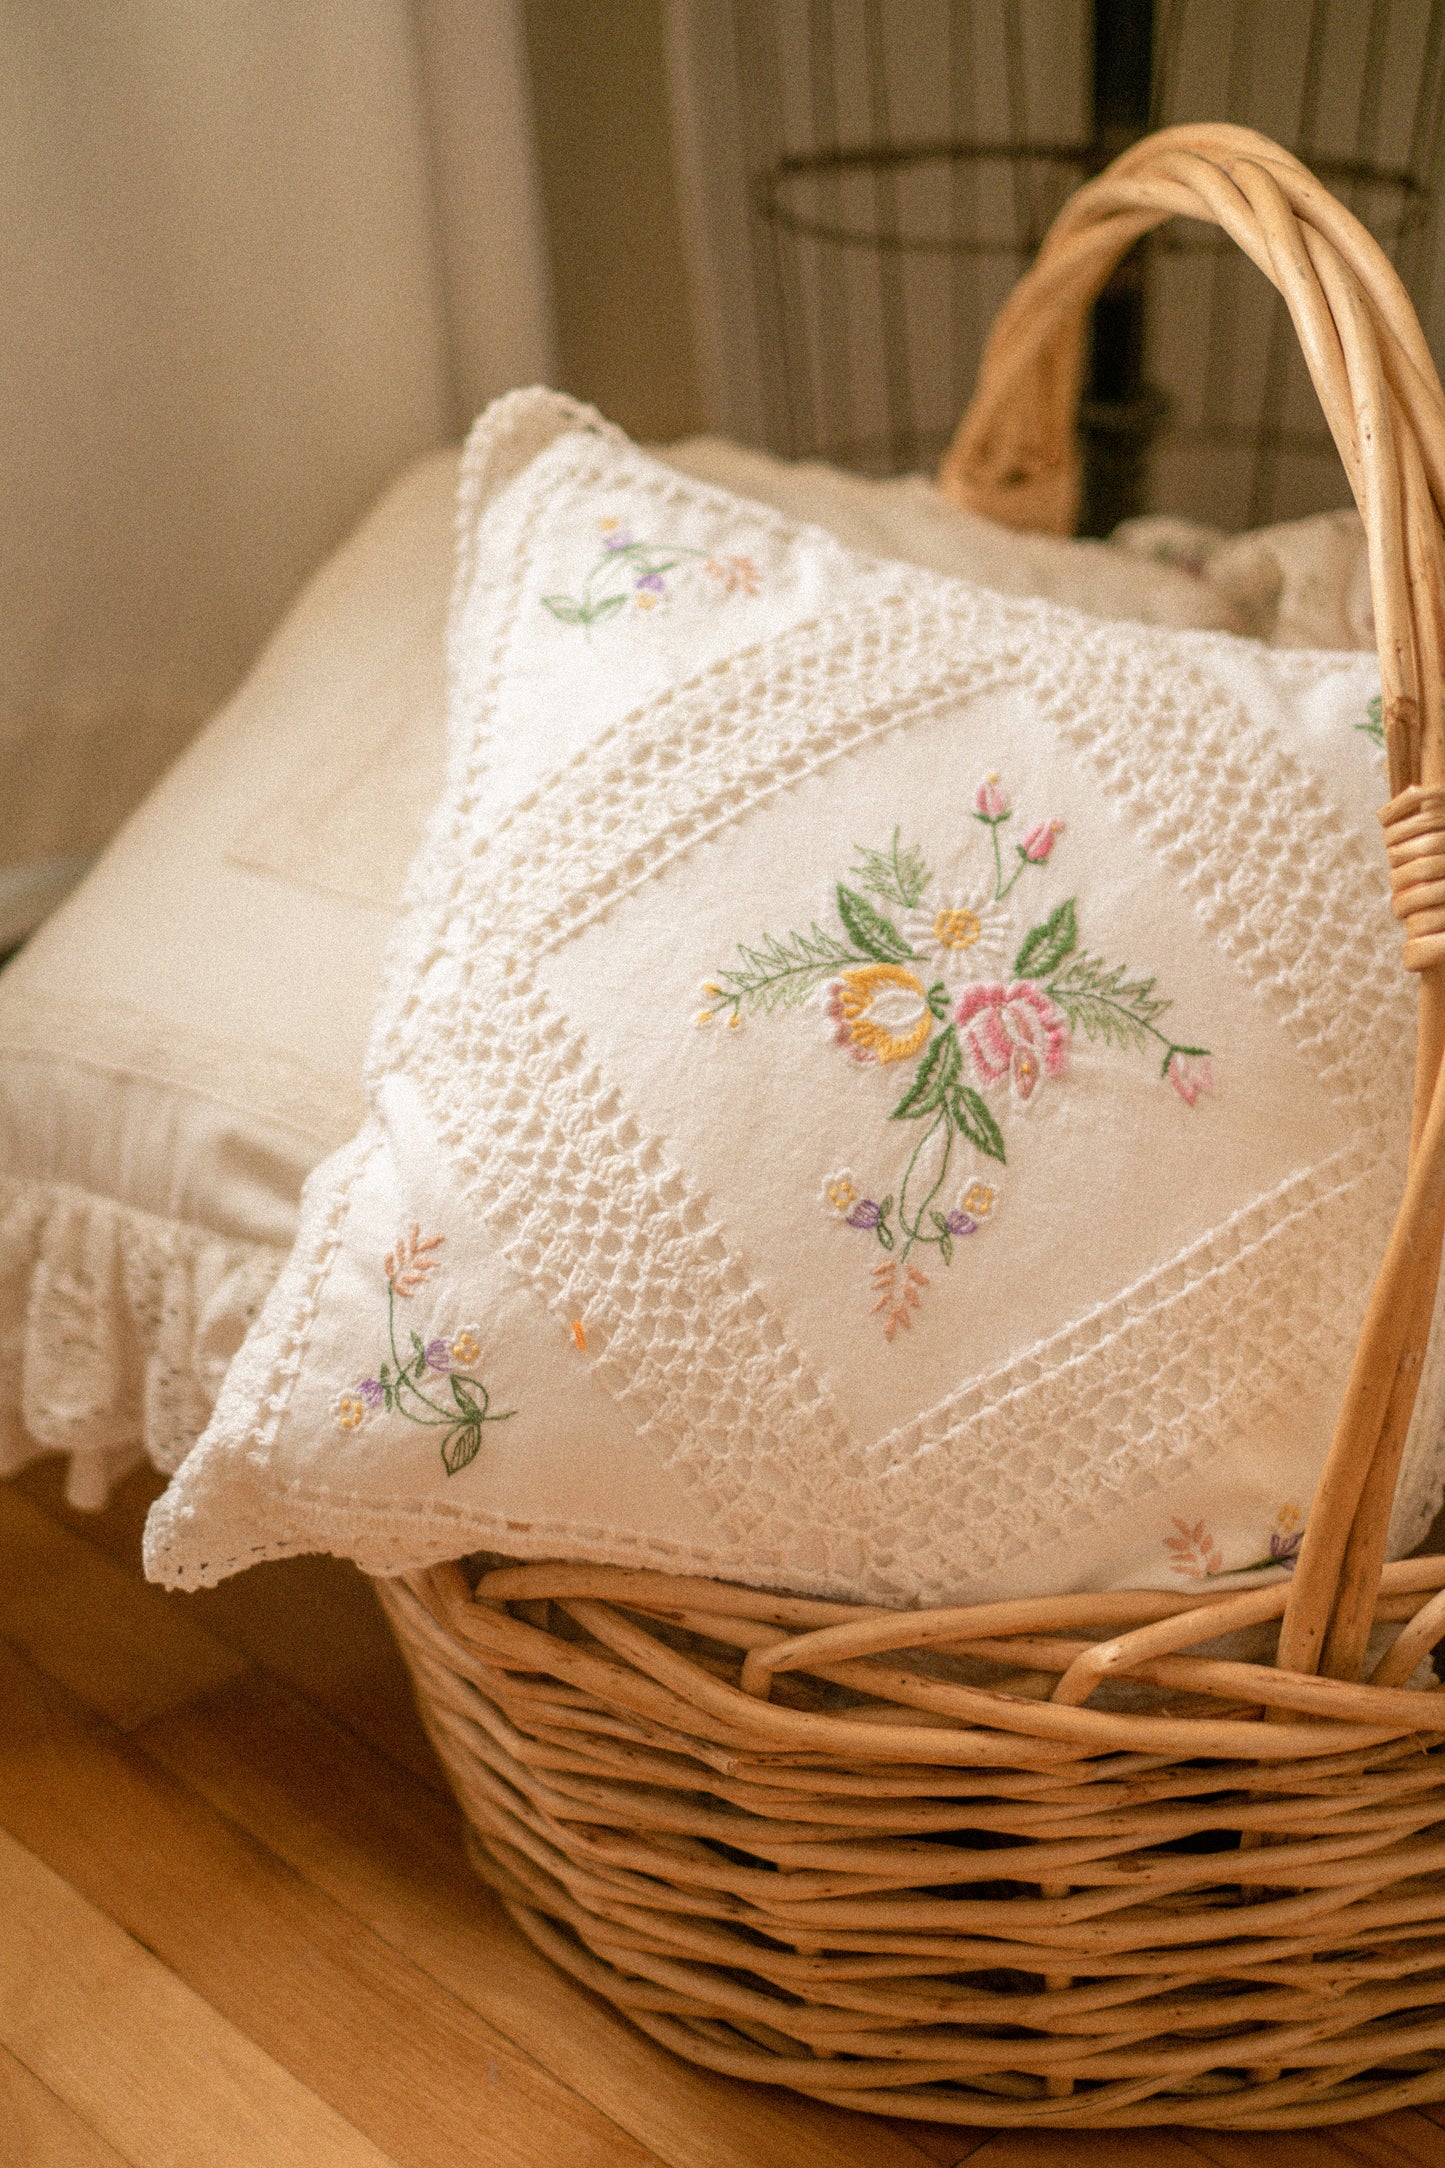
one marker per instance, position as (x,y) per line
(1102,1002)
(876,935)
(883,1231)
(1375,727)
(933,1079)
(945,1239)
(461,1446)
(564,608)
(897,876)
(1046,947)
(977,1124)
(781,974)
(466,1399)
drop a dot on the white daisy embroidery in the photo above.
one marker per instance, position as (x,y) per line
(963,934)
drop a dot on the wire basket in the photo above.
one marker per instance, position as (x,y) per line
(882,252)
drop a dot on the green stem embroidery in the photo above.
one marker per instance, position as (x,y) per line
(626,570)
(993,822)
(462,1421)
(405,1381)
(1002,889)
(1007,889)
(912,1227)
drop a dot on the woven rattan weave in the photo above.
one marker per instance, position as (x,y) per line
(1082,1860)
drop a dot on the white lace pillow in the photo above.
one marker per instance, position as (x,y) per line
(885,1089)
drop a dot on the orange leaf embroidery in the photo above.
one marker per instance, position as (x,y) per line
(409,1263)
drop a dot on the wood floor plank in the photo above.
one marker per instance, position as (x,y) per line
(946,2144)
(1089,2149)
(1403,2140)
(38,2130)
(391,1853)
(81,1618)
(135,2053)
(420,2074)
(315,1622)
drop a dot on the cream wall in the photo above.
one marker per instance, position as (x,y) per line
(253,258)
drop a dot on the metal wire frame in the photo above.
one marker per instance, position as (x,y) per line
(845,268)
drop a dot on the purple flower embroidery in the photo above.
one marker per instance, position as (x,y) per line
(960,1223)
(371,1392)
(653,582)
(621,540)
(438,1355)
(864,1214)
(1283,1549)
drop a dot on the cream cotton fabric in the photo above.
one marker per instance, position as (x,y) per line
(1095,913)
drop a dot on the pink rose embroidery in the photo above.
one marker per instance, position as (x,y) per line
(1013,1031)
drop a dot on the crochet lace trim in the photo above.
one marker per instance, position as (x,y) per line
(116,1328)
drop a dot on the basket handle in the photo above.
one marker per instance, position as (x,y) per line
(1014,459)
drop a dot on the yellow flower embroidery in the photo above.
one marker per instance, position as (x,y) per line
(880,1012)
(842,1193)
(957,927)
(466,1348)
(978,1200)
(350,1411)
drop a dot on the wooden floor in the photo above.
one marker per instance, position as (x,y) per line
(237,1929)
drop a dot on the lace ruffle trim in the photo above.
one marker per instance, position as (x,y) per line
(116,1328)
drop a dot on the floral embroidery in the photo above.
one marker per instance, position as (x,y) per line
(1013,1031)
(411,1261)
(1374,725)
(636,573)
(991,806)
(881,1013)
(398,1385)
(905,982)
(1195,1554)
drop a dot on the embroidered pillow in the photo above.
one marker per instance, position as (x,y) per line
(884,1089)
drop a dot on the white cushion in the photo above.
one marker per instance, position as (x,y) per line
(604,1277)
(184,1040)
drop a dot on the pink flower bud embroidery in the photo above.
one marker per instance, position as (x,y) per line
(1190,1074)
(990,801)
(1039,841)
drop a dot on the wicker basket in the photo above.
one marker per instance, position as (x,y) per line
(1078,1860)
